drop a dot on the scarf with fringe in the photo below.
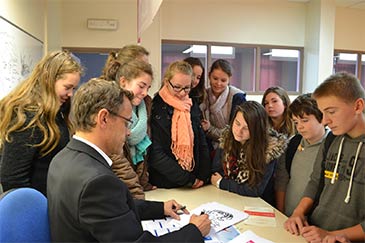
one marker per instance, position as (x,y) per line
(182,135)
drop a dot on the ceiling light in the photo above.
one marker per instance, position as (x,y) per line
(216,50)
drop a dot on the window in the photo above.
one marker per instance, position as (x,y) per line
(362,68)
(351,62)
(345,62)
(255,68)
(279,67)
(174,52)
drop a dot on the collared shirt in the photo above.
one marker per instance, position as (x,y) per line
(101,152)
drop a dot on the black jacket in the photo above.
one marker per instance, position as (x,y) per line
(21,162)
(165,172)
(87,202)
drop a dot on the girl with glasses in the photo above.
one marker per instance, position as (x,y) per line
(179,153)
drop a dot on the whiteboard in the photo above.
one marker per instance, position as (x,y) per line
(19,53)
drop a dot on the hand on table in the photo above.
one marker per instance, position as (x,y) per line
(171,207)
(202,222)
(335,239)
(313,234)
(198,183)
(214,178)
(295,224)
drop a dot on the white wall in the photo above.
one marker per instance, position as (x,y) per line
(74,23)
(62,23)
(271,22)
(349,29)
(29,15)
(246,21)
(53,25)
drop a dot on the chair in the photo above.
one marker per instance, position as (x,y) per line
(24,216)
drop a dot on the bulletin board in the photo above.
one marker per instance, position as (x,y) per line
(19,53)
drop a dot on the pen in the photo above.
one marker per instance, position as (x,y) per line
(181,208)
(202,212)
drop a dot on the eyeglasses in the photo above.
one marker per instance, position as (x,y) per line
(128,122)
(178,89)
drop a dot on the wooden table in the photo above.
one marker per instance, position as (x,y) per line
(193,198)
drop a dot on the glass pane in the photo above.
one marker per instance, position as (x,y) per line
(345,62)
(174,52)
(243,63)
(279,67)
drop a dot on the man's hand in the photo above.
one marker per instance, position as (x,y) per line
(171,207)
(202,222)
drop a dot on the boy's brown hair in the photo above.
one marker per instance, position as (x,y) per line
(305,105)
(343,85)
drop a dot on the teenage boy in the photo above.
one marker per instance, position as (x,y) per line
(341,207)
(295,166)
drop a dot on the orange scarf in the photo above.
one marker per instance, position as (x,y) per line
(182,135)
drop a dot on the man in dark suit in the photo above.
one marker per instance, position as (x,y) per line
(86,200)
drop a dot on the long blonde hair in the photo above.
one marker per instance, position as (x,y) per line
(37,95)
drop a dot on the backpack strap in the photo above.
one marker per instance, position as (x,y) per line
(327,143)
(290,151)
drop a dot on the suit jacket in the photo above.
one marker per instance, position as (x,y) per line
(87,202)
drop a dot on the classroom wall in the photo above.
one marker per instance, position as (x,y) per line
(74,23)
(29,15)
(246,21)
(171,23)
(62,23)
(53,25)
(349,29)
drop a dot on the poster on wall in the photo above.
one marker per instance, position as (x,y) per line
(19,52)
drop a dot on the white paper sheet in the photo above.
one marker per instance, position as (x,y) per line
(221,216)
(249,237)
